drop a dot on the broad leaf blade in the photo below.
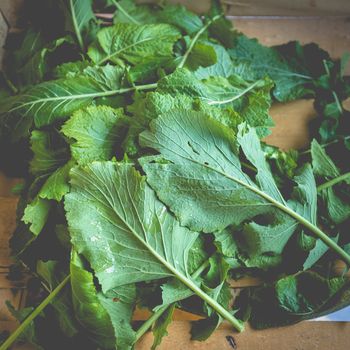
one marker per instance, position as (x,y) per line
(122,213)
(204,172)
(53,100)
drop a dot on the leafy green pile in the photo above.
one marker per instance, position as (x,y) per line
(148,184)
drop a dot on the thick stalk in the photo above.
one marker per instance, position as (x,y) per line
(149,323)
(154,317)
(311,227)
(324,145)
(92,95)
(333,182)
(12,338)
(195,39)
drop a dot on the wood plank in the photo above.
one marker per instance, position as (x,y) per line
(302,336)
(7,225)
(14,296)
(333,35)
(3,33)
(6,185)
(292,119)
(288,8)
(299,8)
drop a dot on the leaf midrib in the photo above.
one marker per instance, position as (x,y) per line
(81,96)
(307,224)
(179,275)
(76,25)
(107,58)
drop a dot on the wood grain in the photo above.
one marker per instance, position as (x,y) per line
(302,336)
(299,8)
(7,225)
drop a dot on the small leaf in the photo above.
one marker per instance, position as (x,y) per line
(96,131)
(36,214)
(133,43)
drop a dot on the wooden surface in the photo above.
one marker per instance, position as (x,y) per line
(291,132)
(303,336)
(276,7)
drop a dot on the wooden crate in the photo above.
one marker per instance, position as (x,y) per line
(332,34)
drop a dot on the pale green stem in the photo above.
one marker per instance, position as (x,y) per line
(12,338)
(92,95)
(340,108)
(76,26)
(324,145)
(149,322)
(121,9)
(195,39)
(235,97)
(313,228)
(333,182)
(154,317)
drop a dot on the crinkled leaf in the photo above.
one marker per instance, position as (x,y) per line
(96,131)
(130,12)
(250,100)
(70,69)
(134,43)
(263,244)
(107,76)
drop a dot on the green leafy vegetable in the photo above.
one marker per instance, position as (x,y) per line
(147,183)
(141,232)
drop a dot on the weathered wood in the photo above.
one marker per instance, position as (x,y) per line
(3,33)
(331,34)
(288,8)
(302,336)
(6,185)
(7,225)
(276,7)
